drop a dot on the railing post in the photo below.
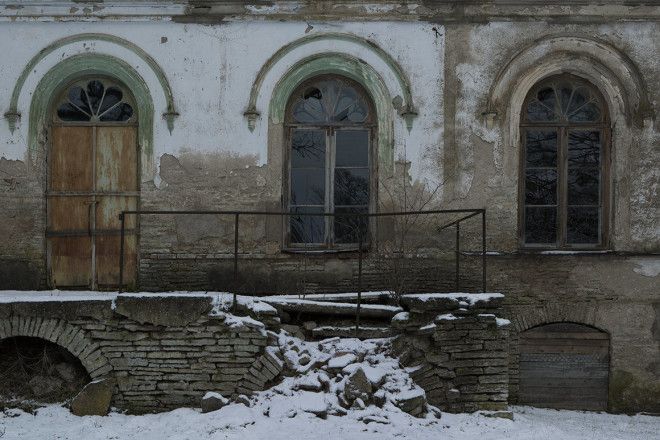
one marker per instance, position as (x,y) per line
(235,260)
(359,283)
(483,251)
(121,253)
(458,255)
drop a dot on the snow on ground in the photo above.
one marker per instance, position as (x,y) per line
(284,422)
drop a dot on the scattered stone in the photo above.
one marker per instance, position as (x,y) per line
(242,398)
(94,399)
(213,401)
(498,414)
(375,419)
(413,402)
(304,359)
(357,386)
(341,361)
(358,404)
(309,325)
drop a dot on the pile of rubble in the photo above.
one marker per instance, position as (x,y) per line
(333,377)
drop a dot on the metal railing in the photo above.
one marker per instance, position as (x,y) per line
(465,214)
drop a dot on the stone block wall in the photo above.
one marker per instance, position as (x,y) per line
(161,352)
(457,350)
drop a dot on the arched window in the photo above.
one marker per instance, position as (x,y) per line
(330,128)
(565,138)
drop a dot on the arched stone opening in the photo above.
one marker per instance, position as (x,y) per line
(35,369)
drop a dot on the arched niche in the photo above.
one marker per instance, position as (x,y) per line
(89,65)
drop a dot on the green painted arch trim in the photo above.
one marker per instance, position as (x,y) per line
(79,66)
(407,110)
(13,114)
(350,67)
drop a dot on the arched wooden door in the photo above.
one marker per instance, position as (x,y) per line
(564,365)
(93,176)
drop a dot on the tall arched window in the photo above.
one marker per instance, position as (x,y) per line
(565,138)
(330,128)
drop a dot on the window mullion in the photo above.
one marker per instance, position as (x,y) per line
(329,185)
(562,201)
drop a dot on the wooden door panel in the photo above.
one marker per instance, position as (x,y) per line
(109,208)
(116,159)
(69,214)
(70,261)
(564,366)
(107,260)
(71,159)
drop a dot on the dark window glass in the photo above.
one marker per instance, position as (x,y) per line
(329,120)
(583,225)
(351,186)
(118,113)
(541,148)
(352,148)
(307,186)
(583,186)
(70,113)
(349,229)
(541,225)
(583,147)
(307,228)
(541,187)
(94,102)
(563,163)
(308,149)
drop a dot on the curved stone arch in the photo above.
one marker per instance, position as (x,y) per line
(79,66)
(407,110)
(13,114)
(350,67)
(607,67)
(583,314)
(59,332)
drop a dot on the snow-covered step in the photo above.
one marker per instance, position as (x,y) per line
(377,297)
(332,308)
(364,332)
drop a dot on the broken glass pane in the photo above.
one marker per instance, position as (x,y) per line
(541,225)
(112,97)
(119,113)
(540,187)
(352,148)
(589,112)
(351,186)
(307,228)
(349,228)
(308,149)
(583,225)
(78,98)
(541,148)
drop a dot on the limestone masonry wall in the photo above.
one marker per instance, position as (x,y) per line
(166,351)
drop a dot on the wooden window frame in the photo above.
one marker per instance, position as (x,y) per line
(370,125)
(562,128)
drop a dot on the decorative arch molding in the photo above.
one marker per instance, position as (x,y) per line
(523,319)
(601,63)
(79,66)
(13,115)
(407,109)
(57,331)
(350,67)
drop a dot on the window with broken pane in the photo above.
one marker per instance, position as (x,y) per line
(330,126)
(564,132)
(95,100)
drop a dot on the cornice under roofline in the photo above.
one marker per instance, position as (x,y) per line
(434,11)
